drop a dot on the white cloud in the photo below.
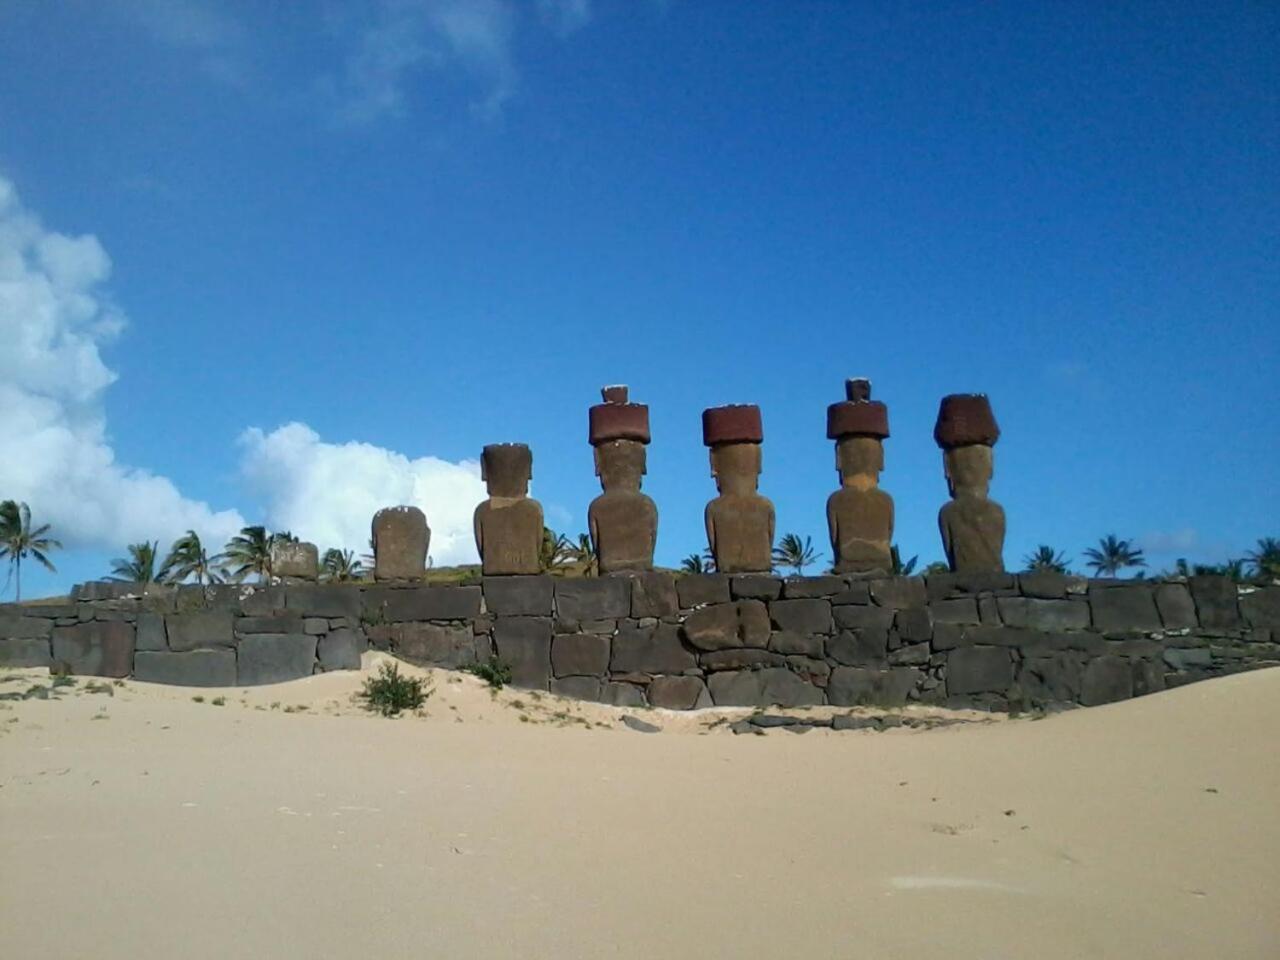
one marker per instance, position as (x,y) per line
(54,452)
(565,16)
(408,36)
(328,492)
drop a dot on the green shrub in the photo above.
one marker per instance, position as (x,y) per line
(389,692)
(495,673)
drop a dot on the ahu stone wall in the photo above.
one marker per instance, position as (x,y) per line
(997,641)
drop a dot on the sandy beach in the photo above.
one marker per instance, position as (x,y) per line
(284,821)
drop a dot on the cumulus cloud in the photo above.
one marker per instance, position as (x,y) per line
(404,37)
(54,452)
(328,492)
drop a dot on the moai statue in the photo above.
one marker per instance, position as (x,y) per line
(740,522)
(622,520)
(509,524)
(972,525)
(294,560)
(859,514)
(401,538)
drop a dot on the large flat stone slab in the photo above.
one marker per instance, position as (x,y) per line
(199,629)
(196,668)
(96,649)
(593,598)
(524,644)
(25,652)
(275,658)
(771,686)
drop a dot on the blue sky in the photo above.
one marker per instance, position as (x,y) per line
(282,263)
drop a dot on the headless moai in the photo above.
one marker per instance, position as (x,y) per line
(401,539)
(508,526)
(294,560)
(972,525)
(622,520)
(740,522)
(859,514)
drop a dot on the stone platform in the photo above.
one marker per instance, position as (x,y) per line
(999,641)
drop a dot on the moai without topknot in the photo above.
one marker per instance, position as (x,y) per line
(972,525)
(293,560)
(622,520)
(740,522)
(508,525)
(401,539)
(859,514)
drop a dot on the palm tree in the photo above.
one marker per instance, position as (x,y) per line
(340,565)
(188,558)
(584,553)
(19,540)
(1046,558)
(901,569)
(555,549)
(694,563)
(793,552)
(936,567)
(139,566)
(1113,555)
(248,552)
(1266,559)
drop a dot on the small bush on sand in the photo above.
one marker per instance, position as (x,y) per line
(495,673)
(389,693)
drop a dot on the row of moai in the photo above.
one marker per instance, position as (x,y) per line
(623,521)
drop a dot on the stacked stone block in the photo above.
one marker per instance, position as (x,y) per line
(990,640)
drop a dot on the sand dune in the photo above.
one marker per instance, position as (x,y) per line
(142,823)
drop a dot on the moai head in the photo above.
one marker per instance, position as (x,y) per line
(734,434)
(619,432)
(858,425)
(966,431)
(506,469)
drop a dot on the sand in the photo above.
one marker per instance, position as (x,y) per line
(287,823)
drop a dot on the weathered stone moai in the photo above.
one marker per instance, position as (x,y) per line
(859,514)
(972,525)
(509,524)
(622,520)
(294,560)
(401,539)
(740,522)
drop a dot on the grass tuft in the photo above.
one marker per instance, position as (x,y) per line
(495,673)
(389,693)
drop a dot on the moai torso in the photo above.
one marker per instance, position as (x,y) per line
(859,514)
(740,522)
(401,538)
(624,527)
(623,521)
(861,527)
(508,526)
(973,534)
(972,525)
(740,533)
(509,536)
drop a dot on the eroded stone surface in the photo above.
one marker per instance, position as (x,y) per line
(508,525)
(294,560)
(401,539)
